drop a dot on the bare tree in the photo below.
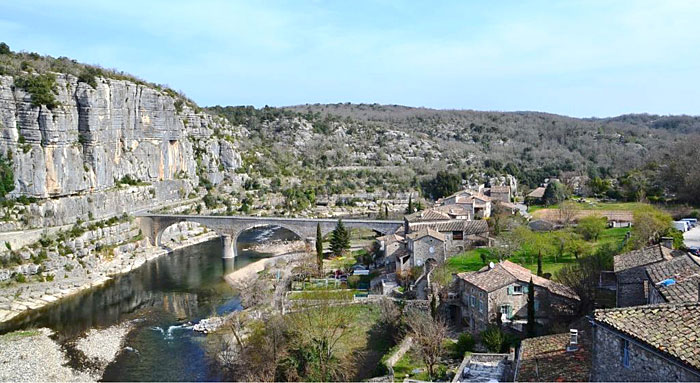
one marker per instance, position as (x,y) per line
(429,337)
(254,291)
(568,210)
(322,331)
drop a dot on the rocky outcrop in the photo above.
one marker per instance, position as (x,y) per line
(74,155)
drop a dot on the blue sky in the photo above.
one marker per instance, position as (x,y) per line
(579,58)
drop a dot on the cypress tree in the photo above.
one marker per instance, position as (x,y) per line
(386,212)
(539,264)
(530,329)
(319,247)
(433,307)
(409,209)
(340,239)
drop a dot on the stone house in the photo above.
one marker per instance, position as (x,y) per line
(460,235)
(630,272)
(502,289)
(478,204)
(391,246)
(673,281)
(500,193)
(425,245)
(536,196)
(647,343)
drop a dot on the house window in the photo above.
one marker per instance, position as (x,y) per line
(625,352)
(507,309)
(473,300)
(458,235)
(517,289)
(481,306)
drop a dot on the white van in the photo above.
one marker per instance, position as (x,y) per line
(681,225)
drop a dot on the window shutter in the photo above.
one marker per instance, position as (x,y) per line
(537,304)
(510,290)
(526,289)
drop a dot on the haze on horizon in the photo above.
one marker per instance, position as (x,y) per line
(583,59)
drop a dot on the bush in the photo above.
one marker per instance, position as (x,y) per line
(7,177)
(493,338)
(465,343)
(42,89)
(20,278)
(88,76)
(4,49)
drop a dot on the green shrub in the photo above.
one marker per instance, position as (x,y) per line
(465,343)
(42,89)
(493,338)
(4,49)
(20,278)
(88,76)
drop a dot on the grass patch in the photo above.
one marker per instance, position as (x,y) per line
(19,334)
(411,367)
(323,295)
(472,261)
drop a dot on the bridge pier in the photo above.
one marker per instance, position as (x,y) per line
(229,251)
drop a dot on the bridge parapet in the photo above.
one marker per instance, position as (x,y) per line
(153,225)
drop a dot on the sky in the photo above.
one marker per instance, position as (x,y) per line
(577,58)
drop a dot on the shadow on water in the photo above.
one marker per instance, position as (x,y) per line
(163,299)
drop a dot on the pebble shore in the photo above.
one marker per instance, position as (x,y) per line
(32,356)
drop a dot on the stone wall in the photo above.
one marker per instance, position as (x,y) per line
(644,365)
(421,250)
(630,287)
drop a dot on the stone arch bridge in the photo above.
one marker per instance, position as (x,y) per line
(229,227)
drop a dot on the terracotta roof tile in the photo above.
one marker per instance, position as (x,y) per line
(641,257)
(685,273)
(426,232)
(671,329)
(545,358)
(428,215)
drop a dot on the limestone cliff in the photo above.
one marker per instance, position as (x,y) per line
(72,157)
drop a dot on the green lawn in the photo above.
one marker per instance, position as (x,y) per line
(405,367)
(613,236)
(471,260)
(321,295)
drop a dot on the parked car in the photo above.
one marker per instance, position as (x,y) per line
(694,251)
(691,221)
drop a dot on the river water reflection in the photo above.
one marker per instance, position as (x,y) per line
(163,298)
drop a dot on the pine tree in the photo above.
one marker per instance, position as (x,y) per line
(409,209)
(530,329)
(319,247)
(539,264)
(340,239)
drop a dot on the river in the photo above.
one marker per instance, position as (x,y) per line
(163,298)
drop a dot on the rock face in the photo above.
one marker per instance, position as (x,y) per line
(77,152)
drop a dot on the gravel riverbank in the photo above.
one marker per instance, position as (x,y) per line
(101,346)
(32,356)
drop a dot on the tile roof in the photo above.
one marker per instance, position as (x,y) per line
(468,227)
(390,238)
(426,232)
(507,272)
(670,329)
(537,193)
(454,210)
(428,215)
(500,189)
(641,257)
(545,359)
(684,270)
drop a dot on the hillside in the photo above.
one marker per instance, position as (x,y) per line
(343,148)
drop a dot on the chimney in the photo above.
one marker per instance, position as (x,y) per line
(573,341)
(667,242)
